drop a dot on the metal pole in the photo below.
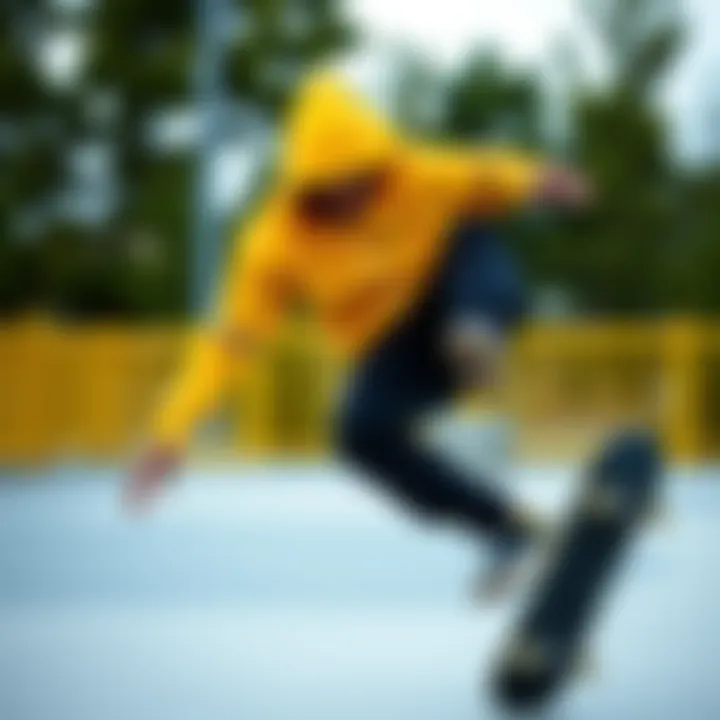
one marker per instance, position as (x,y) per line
(212,16)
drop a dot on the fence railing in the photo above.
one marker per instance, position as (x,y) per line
(86,392)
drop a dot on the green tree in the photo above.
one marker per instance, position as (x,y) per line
(145,54)
(618,259)
(141,62)
(26,158)
(274,43)
(487,100)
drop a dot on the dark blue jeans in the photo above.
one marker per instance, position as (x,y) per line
(406,375)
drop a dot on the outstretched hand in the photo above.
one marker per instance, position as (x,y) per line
(564,187)
(149,475)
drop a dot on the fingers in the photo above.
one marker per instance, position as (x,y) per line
(567,187)
(149,477)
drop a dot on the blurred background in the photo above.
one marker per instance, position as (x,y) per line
(134,138)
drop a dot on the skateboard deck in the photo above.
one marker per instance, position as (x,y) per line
(544,647)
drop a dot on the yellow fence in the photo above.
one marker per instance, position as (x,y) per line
(85,392)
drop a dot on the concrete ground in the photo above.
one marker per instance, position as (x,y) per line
(266,593)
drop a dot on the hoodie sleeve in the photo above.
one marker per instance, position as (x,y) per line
(253,296)
(488,181)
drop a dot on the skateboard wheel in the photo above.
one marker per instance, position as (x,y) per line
(584,665)
(604,503)
(657,515)
(529,657)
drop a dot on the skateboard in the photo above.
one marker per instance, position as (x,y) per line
(545,646)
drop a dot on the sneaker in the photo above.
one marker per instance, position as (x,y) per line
(510,554)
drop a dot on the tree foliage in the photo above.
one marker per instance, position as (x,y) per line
(650,245)
(141,63)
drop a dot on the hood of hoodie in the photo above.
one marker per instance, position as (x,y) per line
(333,134)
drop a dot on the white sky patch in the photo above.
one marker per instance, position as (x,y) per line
(236,169)
(174,128)
(522,29)
(692,91)
(72,4)
(527,32)
(61,55)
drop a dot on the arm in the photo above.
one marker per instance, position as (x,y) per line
(489,183)
(254,294)
(495,181)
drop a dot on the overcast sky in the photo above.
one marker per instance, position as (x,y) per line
(526,30)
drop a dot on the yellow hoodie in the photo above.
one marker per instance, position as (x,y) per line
(358,279)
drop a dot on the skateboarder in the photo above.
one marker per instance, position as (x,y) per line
(390,243)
